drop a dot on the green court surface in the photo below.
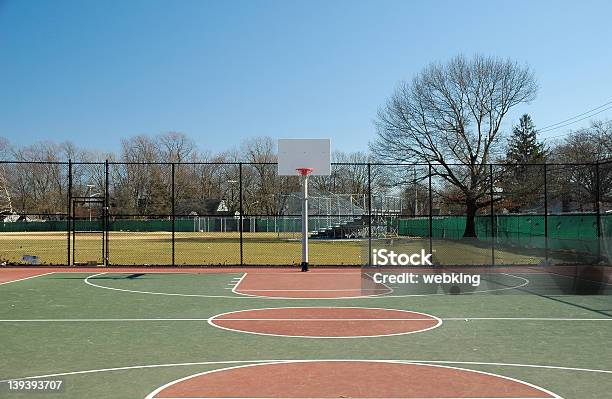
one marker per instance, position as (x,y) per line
(111,334)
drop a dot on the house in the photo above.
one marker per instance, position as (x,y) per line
(202,207)
(15,217)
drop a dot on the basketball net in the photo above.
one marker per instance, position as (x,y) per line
(305,171)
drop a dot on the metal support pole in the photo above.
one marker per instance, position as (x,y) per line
(369,214)
(545,213)
(492,216)
(416,195)
(69,209)
(73,238)
(430,213)
(173,217)
(305,222)
(106,212)
(598,210)
(241,228)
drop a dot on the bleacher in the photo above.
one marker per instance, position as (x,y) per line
(334,216)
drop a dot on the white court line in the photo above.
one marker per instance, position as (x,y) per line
(527,318)
(575,278)
(238,283)
(329,319)
(26,278)
(86,281)
(212,320)
(552,395)
(383,295)
(233,282)
(163,365)
(247,296)
(244,292)
(208,318)
(391,290)
(422,319)
(313,290)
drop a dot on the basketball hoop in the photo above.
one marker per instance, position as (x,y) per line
(293,157)
(305,171)
(297,154)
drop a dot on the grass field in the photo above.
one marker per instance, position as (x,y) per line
(129,248)
(135,331)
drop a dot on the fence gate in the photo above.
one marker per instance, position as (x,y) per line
(89,231)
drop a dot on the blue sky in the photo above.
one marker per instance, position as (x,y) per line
(94,72)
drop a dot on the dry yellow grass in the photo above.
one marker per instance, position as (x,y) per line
(142,248)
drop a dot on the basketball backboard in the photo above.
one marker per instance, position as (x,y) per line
(304,153)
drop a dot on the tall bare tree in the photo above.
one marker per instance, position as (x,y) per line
(175,147)
(6,200)
(450,116)
(138,182)
(260,183)
(39,187)
(577,183)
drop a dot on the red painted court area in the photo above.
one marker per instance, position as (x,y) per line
(326,322)
(309,285)
(347,379)
(10,275)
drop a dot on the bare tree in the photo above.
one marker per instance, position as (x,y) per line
(349,175)
(591,144)
(140,185)
(39,187)
(6,201)
(175,147)
(575,183)
(5,149)
(260,183)
(450,116)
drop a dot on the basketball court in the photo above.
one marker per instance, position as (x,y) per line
(303,330)
(198,333)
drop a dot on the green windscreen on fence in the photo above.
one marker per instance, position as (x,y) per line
(565,232)
(199,224)
(515,229)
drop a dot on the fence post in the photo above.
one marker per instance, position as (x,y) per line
(492,216)
(369,214)
(69,209)
(598,210)
(106,213)
(546,213)
(430,212)
(173,217)
(240,228)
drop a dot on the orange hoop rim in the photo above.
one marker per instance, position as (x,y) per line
(304,171)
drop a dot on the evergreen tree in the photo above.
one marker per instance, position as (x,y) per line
(523,146)
(523,180)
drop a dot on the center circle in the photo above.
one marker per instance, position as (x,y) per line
(325,322)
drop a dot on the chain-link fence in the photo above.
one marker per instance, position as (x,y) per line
(116,213)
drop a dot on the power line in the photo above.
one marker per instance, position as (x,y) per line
(555,125)
(577,120)
(570,123)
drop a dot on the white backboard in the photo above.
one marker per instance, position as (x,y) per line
(304,153)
